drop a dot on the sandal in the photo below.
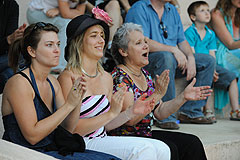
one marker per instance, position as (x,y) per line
(210,115)
(235,115)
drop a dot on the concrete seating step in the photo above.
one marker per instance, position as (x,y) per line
(221,140)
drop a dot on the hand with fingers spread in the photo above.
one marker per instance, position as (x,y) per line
(161,83)
(192,93)
(117,100)
(76,93)
(142,106)
(17,34)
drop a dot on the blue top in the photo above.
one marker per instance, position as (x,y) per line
(208,43)
(142,13)
(12,131)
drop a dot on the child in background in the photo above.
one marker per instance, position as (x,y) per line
(202,40)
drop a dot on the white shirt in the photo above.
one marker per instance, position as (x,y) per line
(45,5)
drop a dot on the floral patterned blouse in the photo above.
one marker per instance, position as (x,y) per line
(143,128)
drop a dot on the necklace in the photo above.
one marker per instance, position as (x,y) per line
(88,74)
(137,75)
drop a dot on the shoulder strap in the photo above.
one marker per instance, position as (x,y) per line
(36,94)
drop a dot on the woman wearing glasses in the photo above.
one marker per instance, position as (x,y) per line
(33,105)
(58,13)
(130,51)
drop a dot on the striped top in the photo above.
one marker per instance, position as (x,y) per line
(93,106)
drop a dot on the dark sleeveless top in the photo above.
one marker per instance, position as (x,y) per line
(12,131)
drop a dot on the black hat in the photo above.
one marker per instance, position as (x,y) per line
(78,25)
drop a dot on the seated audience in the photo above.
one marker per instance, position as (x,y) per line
(9,32)
(225,23)
(33,107)
(203,40)
(58,13)
(169,50)
(87,37)
(130,51)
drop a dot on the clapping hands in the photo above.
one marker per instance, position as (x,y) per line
(161,83)
(142,106)
(117,100)
(77,92)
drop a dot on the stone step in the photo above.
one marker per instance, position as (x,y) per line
(221,140)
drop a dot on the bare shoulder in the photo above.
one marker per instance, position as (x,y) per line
(66,74)
(66,79)
(16,89)
(17,83)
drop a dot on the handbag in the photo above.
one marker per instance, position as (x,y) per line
(64,141)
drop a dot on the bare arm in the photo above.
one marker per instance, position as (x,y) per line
(88,125)
(67,12)
(219,27)
(89,6)
(132,112)
(71,120)
(190,93)
(17,89)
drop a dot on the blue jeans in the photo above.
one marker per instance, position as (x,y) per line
(87,155)
(5,71)
(205,64)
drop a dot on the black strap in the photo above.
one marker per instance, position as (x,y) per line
(64,142)
(36,94)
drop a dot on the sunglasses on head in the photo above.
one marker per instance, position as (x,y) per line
(40,25)
(163,28)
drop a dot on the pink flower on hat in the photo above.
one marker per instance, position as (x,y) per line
(102,15)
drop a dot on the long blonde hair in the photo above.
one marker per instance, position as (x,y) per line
(75,55)
(225,6)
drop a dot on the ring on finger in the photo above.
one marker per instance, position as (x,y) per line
(74,88)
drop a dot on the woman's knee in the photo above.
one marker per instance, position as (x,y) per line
(155,149)
(162,150)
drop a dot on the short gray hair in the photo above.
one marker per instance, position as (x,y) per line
(121,40)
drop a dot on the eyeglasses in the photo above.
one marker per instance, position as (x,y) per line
(163,28)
